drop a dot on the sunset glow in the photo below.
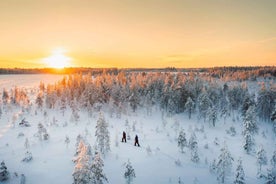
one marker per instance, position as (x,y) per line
(144,33)
(58,59)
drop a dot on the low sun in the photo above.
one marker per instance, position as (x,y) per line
(57,59)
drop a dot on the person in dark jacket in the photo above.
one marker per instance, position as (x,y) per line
(124,137)
(136,141)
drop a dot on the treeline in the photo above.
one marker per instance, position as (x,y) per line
(93,71)
(225,73)
(174,92)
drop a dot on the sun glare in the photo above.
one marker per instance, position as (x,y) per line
(58,59)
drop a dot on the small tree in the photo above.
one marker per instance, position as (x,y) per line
(129,173)
(239,176)
(192,140)
(194,153)
(4,174)
(22,179)
(273,160)
(271,176)
(5,96)
(27,144)
(249,141)
(261,158)
(39,100)
(224,165)
(182,142)
(98,177)
(67,141)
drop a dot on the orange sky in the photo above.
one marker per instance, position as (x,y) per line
(138,33)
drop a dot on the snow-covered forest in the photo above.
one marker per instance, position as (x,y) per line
(209,126)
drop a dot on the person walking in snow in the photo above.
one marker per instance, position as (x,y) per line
(124,137)
(136,141)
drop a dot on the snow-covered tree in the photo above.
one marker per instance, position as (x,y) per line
(39,100)
(98,177)
(204,103)
(271,176)
(190,106)
(249,142)
(75,111)
(265,104)
(194,153)
(273,119)
(102,135)
(5,96)
(129,173)
(134,101)
(42,132)
(212,115)
(261,158)
(78,140)
(224,165)
(192,140)
(249,121)
(239,176)
(213,167)
(28,157)
(22,179)
(273,160)
(82,172)
(67,141)
(4,173)
(27,144)
(182,142)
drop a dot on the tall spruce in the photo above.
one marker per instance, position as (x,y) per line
(102,135)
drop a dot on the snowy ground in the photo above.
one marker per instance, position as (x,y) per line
(52,159)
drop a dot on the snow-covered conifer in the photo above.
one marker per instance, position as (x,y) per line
(182,142)
(249,141)
(212,115)
(271,176)
(247,102)
(239,176)
(82,173)
(22,179)
(261,158)
(102,135)
(190,106)
(75,111)
(224,165)
(194,153)
(28,157)
(4,173)
(5,96)
(249,121)
(129,173)
(203,105)
(39,100)
(213,167)
(97,174)
(265,104)
(192,140)
(273,160)
(67,141)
